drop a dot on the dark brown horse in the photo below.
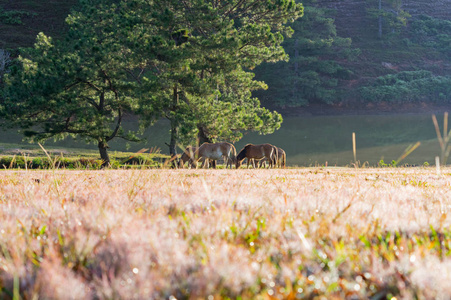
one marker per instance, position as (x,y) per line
(281,159)
(215,151)
(257,152)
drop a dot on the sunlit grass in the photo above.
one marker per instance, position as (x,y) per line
(308,141)
(333,232)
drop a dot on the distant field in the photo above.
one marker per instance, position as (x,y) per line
(308,141)
(335,233)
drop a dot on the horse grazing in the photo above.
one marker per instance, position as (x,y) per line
(188,156)
(216,151)
(257,152)
(281,159)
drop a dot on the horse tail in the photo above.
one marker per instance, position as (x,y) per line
(233,150)
(274,157)
(284,159)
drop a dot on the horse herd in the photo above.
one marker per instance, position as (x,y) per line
(211,152)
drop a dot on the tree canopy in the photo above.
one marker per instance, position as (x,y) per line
(188,61)
(201,54)
(79,86)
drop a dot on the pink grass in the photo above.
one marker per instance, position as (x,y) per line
(190,234)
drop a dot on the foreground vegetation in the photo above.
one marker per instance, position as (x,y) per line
(218,234)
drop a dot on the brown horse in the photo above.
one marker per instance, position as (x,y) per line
(281,159)
(188,155)
(216,151)
(257,152)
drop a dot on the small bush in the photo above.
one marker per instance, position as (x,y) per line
(12,17)
(432,32)
(409,86)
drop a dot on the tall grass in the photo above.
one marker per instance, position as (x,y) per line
(225,234)
(444,140)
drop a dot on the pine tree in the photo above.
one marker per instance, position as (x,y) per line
(200,54)
(187,61)
(80,86)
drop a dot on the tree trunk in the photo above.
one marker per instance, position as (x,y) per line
(104,154)
(174,128)
(173,143)
(202,136)
(296,56)
(380,19)
(294,90)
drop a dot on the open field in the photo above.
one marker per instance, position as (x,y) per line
(333,233)
(308,141)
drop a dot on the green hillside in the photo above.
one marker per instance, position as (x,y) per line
(22,20)
(344,55)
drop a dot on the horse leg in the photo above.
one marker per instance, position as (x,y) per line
(276,158)
(204,163)
(253,163)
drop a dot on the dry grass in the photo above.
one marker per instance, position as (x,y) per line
(218,234)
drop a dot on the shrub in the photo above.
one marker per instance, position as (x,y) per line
(432,32)
(12,17)
(409,86)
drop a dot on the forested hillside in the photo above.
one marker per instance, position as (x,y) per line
(343,53)
(22,20)
(397,53)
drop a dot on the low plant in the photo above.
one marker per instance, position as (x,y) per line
(408,86)
(12,17)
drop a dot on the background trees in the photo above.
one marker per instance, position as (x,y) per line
(391,18)
(79,86)
(200,54)
(5,62)
(314,70)
(187,61)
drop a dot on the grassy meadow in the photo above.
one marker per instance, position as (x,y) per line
(308,140)
(304,233)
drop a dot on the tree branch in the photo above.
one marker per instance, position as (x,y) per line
(118,126)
